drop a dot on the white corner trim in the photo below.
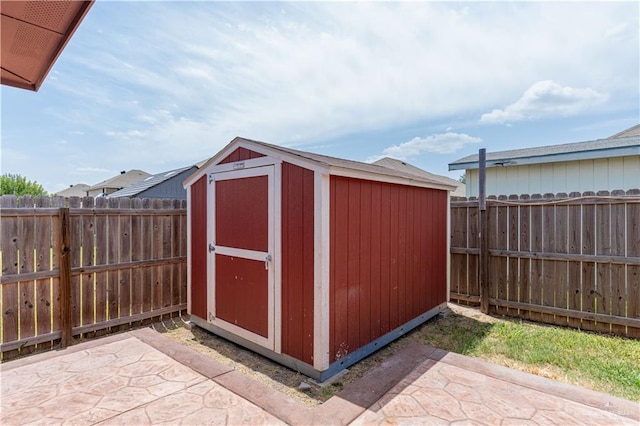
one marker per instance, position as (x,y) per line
(189,254)
(321,271)
(448,246)
(277,257)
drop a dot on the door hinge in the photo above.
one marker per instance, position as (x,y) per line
(211,248)
(211,317)
(211,177)
(266,261)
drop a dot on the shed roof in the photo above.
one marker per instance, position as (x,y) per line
(333,165)
(410,168)
(34,34)
(149,182)
(122,180)
(621,144)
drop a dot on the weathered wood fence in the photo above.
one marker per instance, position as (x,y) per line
(572,260)
(76,266)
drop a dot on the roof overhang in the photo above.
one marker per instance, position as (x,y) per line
(550,158)
(34,34)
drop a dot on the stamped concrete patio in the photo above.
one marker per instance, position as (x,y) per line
(142,377)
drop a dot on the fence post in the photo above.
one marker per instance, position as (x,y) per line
(484,242)
(64,251)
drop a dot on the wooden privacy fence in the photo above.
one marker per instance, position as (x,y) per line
(78,265)
(572,260)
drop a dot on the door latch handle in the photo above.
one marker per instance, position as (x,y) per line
(211,248)
(266,261)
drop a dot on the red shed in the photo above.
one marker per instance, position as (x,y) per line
(313,261)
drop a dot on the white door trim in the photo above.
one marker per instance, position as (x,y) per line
(269,341)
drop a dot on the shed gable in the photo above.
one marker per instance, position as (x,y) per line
(240,154)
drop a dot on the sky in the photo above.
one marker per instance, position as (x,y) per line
(161,85)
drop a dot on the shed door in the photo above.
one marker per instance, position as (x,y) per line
(241,253)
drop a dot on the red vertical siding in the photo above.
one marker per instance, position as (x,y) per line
(297,262)
(241,154)
(339,277)
(388,258)
(242,210)
(242,296)
(199,248)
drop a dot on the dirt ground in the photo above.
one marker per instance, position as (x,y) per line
(282,378)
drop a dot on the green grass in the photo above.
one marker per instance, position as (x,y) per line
(600,362)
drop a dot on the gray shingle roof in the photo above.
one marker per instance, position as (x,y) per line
(410,168)
(77,190)
(149,182)
(626,142)
(631,131)
(122,180)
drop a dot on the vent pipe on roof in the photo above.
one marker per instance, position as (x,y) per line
(122,172)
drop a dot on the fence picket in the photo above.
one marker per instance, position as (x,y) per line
(113,242)
(101,258)
(136,254)
(548,267)
(26,264)
(590,296)
(43,290)
(124,256)
(148,274)
(536,274)
(575,268)
(498,265)
(10,298)
(524,287)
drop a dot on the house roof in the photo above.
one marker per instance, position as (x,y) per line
(409,168)
(621,144)
(34,34)
(332,165)
(149,182)
(631,131)
(77,190)
(122,180)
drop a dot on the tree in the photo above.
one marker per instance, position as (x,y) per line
(463,178)
(14,184)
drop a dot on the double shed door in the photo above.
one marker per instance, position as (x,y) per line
(241,253)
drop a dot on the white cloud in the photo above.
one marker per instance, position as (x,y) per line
(546,98)
(442,143)
(91,170)
(128,134)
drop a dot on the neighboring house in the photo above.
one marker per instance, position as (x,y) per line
(77,190)
(603,164)
(117,182)
(402,166)
(34,34)
(162,185)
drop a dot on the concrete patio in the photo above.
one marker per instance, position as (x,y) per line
(142,377)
